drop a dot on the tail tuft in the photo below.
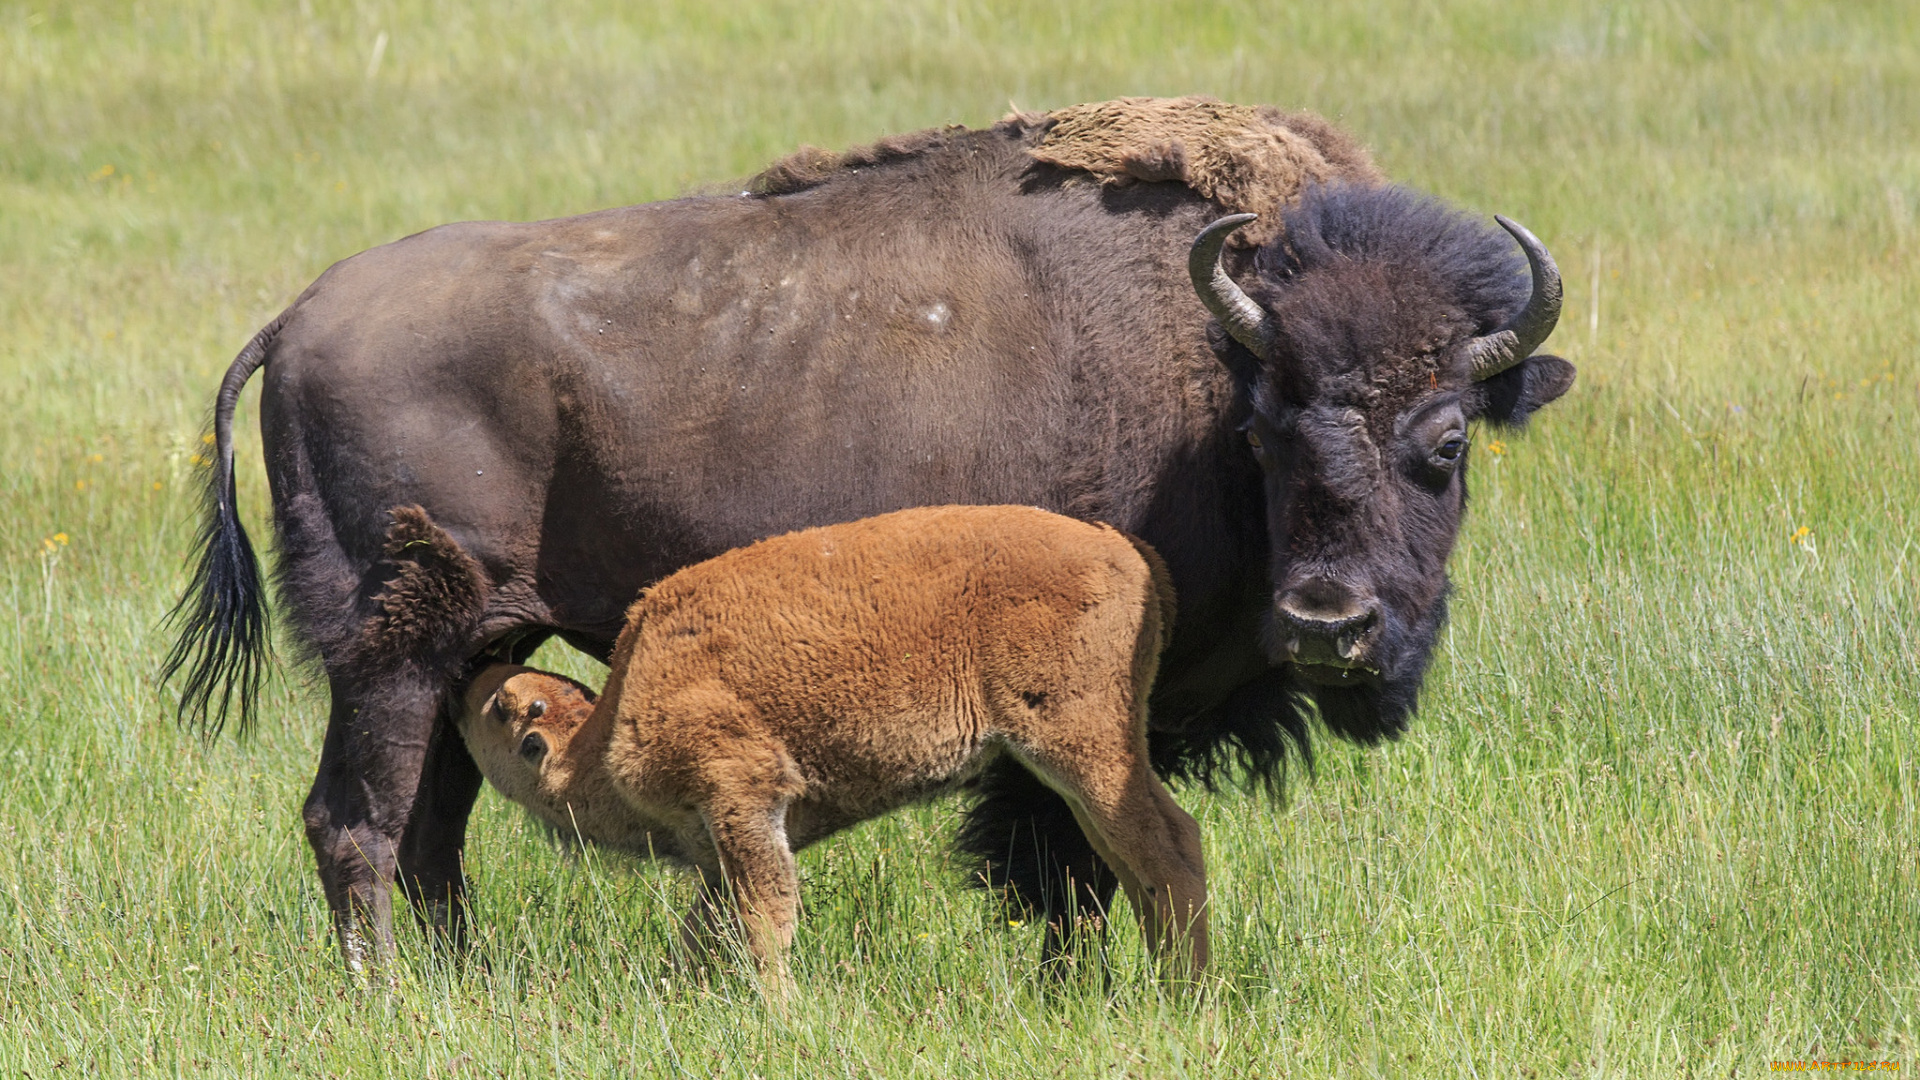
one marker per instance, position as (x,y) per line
(223,644)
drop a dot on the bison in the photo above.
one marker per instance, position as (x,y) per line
(1002,315)
(765,699)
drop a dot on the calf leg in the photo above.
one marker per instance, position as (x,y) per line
(1152,844)
(1154,847)
(363,798)
(750,839)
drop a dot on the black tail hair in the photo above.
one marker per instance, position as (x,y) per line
(223,644)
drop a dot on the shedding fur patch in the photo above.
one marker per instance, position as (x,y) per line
(1248,159)
(430,607)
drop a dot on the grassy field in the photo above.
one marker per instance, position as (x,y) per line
(1658,816)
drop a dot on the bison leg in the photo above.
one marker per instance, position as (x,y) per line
(1031,851)
(378,739)
(702,927)
(432,846)
(431,863)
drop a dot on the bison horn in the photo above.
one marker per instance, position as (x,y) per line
(1247,321)
(1496,352)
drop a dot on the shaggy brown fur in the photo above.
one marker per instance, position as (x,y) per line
(1247,159)
(781,692)
(430,607)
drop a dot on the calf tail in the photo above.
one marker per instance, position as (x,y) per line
(223,644)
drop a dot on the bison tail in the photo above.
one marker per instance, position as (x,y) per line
(222,618)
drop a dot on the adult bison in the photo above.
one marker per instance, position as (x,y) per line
(1004,315)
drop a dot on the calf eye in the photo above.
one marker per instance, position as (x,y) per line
(536,709)
(533,747)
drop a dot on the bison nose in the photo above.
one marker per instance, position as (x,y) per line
(1323,623)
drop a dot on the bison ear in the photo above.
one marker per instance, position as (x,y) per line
(1510,397)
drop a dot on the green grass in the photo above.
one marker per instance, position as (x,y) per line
(1658,815)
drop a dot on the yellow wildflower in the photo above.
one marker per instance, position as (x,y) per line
(1496,448)
(207,438)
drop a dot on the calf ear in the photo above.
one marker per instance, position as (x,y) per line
(1510,397)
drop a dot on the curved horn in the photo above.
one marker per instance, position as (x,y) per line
(1247,321)
(1496,352)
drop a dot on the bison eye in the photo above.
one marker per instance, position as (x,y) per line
(1253,439)
(533,747)
(1449,452)
(536,709)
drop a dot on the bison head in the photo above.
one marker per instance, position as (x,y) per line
(519,725)
(1376,330)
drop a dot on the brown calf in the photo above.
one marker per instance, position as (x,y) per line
(772,696)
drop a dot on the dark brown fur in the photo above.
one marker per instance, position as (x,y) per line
(429,609)
(810,166)
(772,696)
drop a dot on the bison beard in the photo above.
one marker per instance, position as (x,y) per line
(1026,848)
(1377,711)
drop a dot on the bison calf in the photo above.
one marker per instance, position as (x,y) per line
(774,695)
